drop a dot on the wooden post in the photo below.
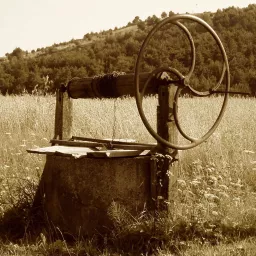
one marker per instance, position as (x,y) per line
(168,166)
(62,130)
(63,115)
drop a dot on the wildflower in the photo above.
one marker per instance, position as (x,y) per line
(210,170)
(220,178)
(212,205)
(237,185)
(240,247)
(211,197)
(43,238)
(214,213)
(249,151)
(182,183)
(223,195)
(198,161)
(191,193)
(224,187)
(237,199)
(195,183)
(212,180)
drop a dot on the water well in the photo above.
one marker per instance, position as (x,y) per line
(84,177)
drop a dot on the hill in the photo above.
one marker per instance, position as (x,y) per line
(44,69)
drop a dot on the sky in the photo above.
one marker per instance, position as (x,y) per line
(32,24)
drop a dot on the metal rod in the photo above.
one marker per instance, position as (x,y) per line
(112,141)
(76,143)
(242,93)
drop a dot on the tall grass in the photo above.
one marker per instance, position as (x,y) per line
(26,122)
(217,180)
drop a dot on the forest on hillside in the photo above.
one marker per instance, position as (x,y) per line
(43,70)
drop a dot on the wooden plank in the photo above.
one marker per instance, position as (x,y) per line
(62,150)
(117,153)
(107,144)
(84,151)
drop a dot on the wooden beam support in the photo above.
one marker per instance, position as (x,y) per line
(63,114)
(166,128)
(121,85)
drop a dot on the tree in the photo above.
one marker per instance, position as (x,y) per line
(152,20)
(131,47)
(125,63)
(136,20)
(169,46)
(206,16)
(34,81)
(110,39)
(171,13)
(17,52)
(6,82)
(252,81)
(141,25)
(87,37)
(163,15)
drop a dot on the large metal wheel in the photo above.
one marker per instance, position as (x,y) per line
(183,82)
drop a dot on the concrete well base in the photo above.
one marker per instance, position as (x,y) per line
(79,192)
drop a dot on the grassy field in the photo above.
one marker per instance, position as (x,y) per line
(216,201)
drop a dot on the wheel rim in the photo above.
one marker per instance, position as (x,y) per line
(184,83)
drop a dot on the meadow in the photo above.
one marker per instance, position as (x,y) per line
(216,199)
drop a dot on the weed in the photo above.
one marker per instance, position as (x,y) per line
(216,198)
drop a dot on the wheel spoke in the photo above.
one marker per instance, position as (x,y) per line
(183,82)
